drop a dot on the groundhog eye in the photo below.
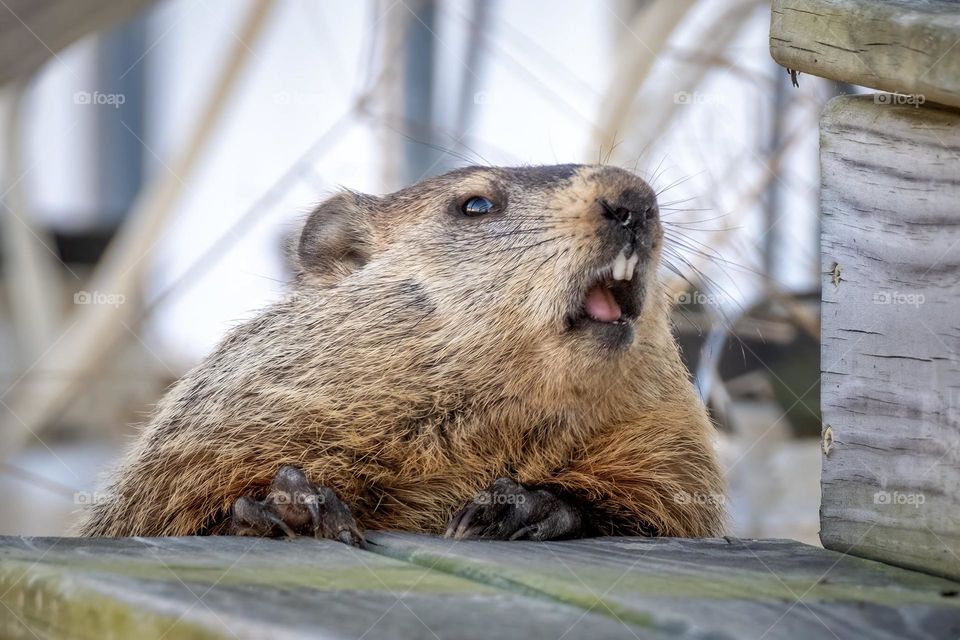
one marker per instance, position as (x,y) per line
(476,206)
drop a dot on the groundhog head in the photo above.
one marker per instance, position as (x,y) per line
(560,256)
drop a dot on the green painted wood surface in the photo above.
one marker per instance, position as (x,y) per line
(408,586)
(724,588)
(220,587)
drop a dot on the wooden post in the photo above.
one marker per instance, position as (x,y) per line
(891,332)
(890,258)
(903,46)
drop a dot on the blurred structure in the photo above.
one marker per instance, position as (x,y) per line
(159,155)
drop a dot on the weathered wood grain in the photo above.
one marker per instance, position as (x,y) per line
(410,586)
(891,332)
(31,31)
(254,588)
(903,46)
(726,588)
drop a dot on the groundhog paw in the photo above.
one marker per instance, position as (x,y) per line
(295,506)
(509,511)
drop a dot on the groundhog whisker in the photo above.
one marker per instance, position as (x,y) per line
(657,171)
(667,254)
(676,252)
(712,283)
(707,280)
(682,247)
(687,227)
(667,213)
(725,266)
(526,246)
(667,205)
(459,156)
(683,312)
(552,220)
(679,239)
(495,282)
(549,258)
(437,147)
(459,141)
(516,232)
(675,210)
(554,213)
(673,268)
(675,183)
(668,224)
(606,159)
(709,252)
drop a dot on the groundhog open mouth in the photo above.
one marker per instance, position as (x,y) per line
(611,295)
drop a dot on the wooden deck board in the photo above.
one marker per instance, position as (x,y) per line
(409,586)
(254,588)
(717,588)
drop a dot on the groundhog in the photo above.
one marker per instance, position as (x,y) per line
(486,353)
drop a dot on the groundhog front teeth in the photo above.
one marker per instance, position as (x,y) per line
(620,265)
(632,265)
(623,266)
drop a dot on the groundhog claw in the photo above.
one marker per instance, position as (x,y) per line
(295,506)
(509,511)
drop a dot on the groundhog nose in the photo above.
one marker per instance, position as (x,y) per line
(631,213)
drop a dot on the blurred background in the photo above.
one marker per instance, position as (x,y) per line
(157,156)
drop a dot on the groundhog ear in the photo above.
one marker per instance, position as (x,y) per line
(337,237)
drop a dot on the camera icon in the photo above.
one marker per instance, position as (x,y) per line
(482,97)
(882,497)
(681,97)
(82,297)
(81,97)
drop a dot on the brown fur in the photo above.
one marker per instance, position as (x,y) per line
(421,356)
